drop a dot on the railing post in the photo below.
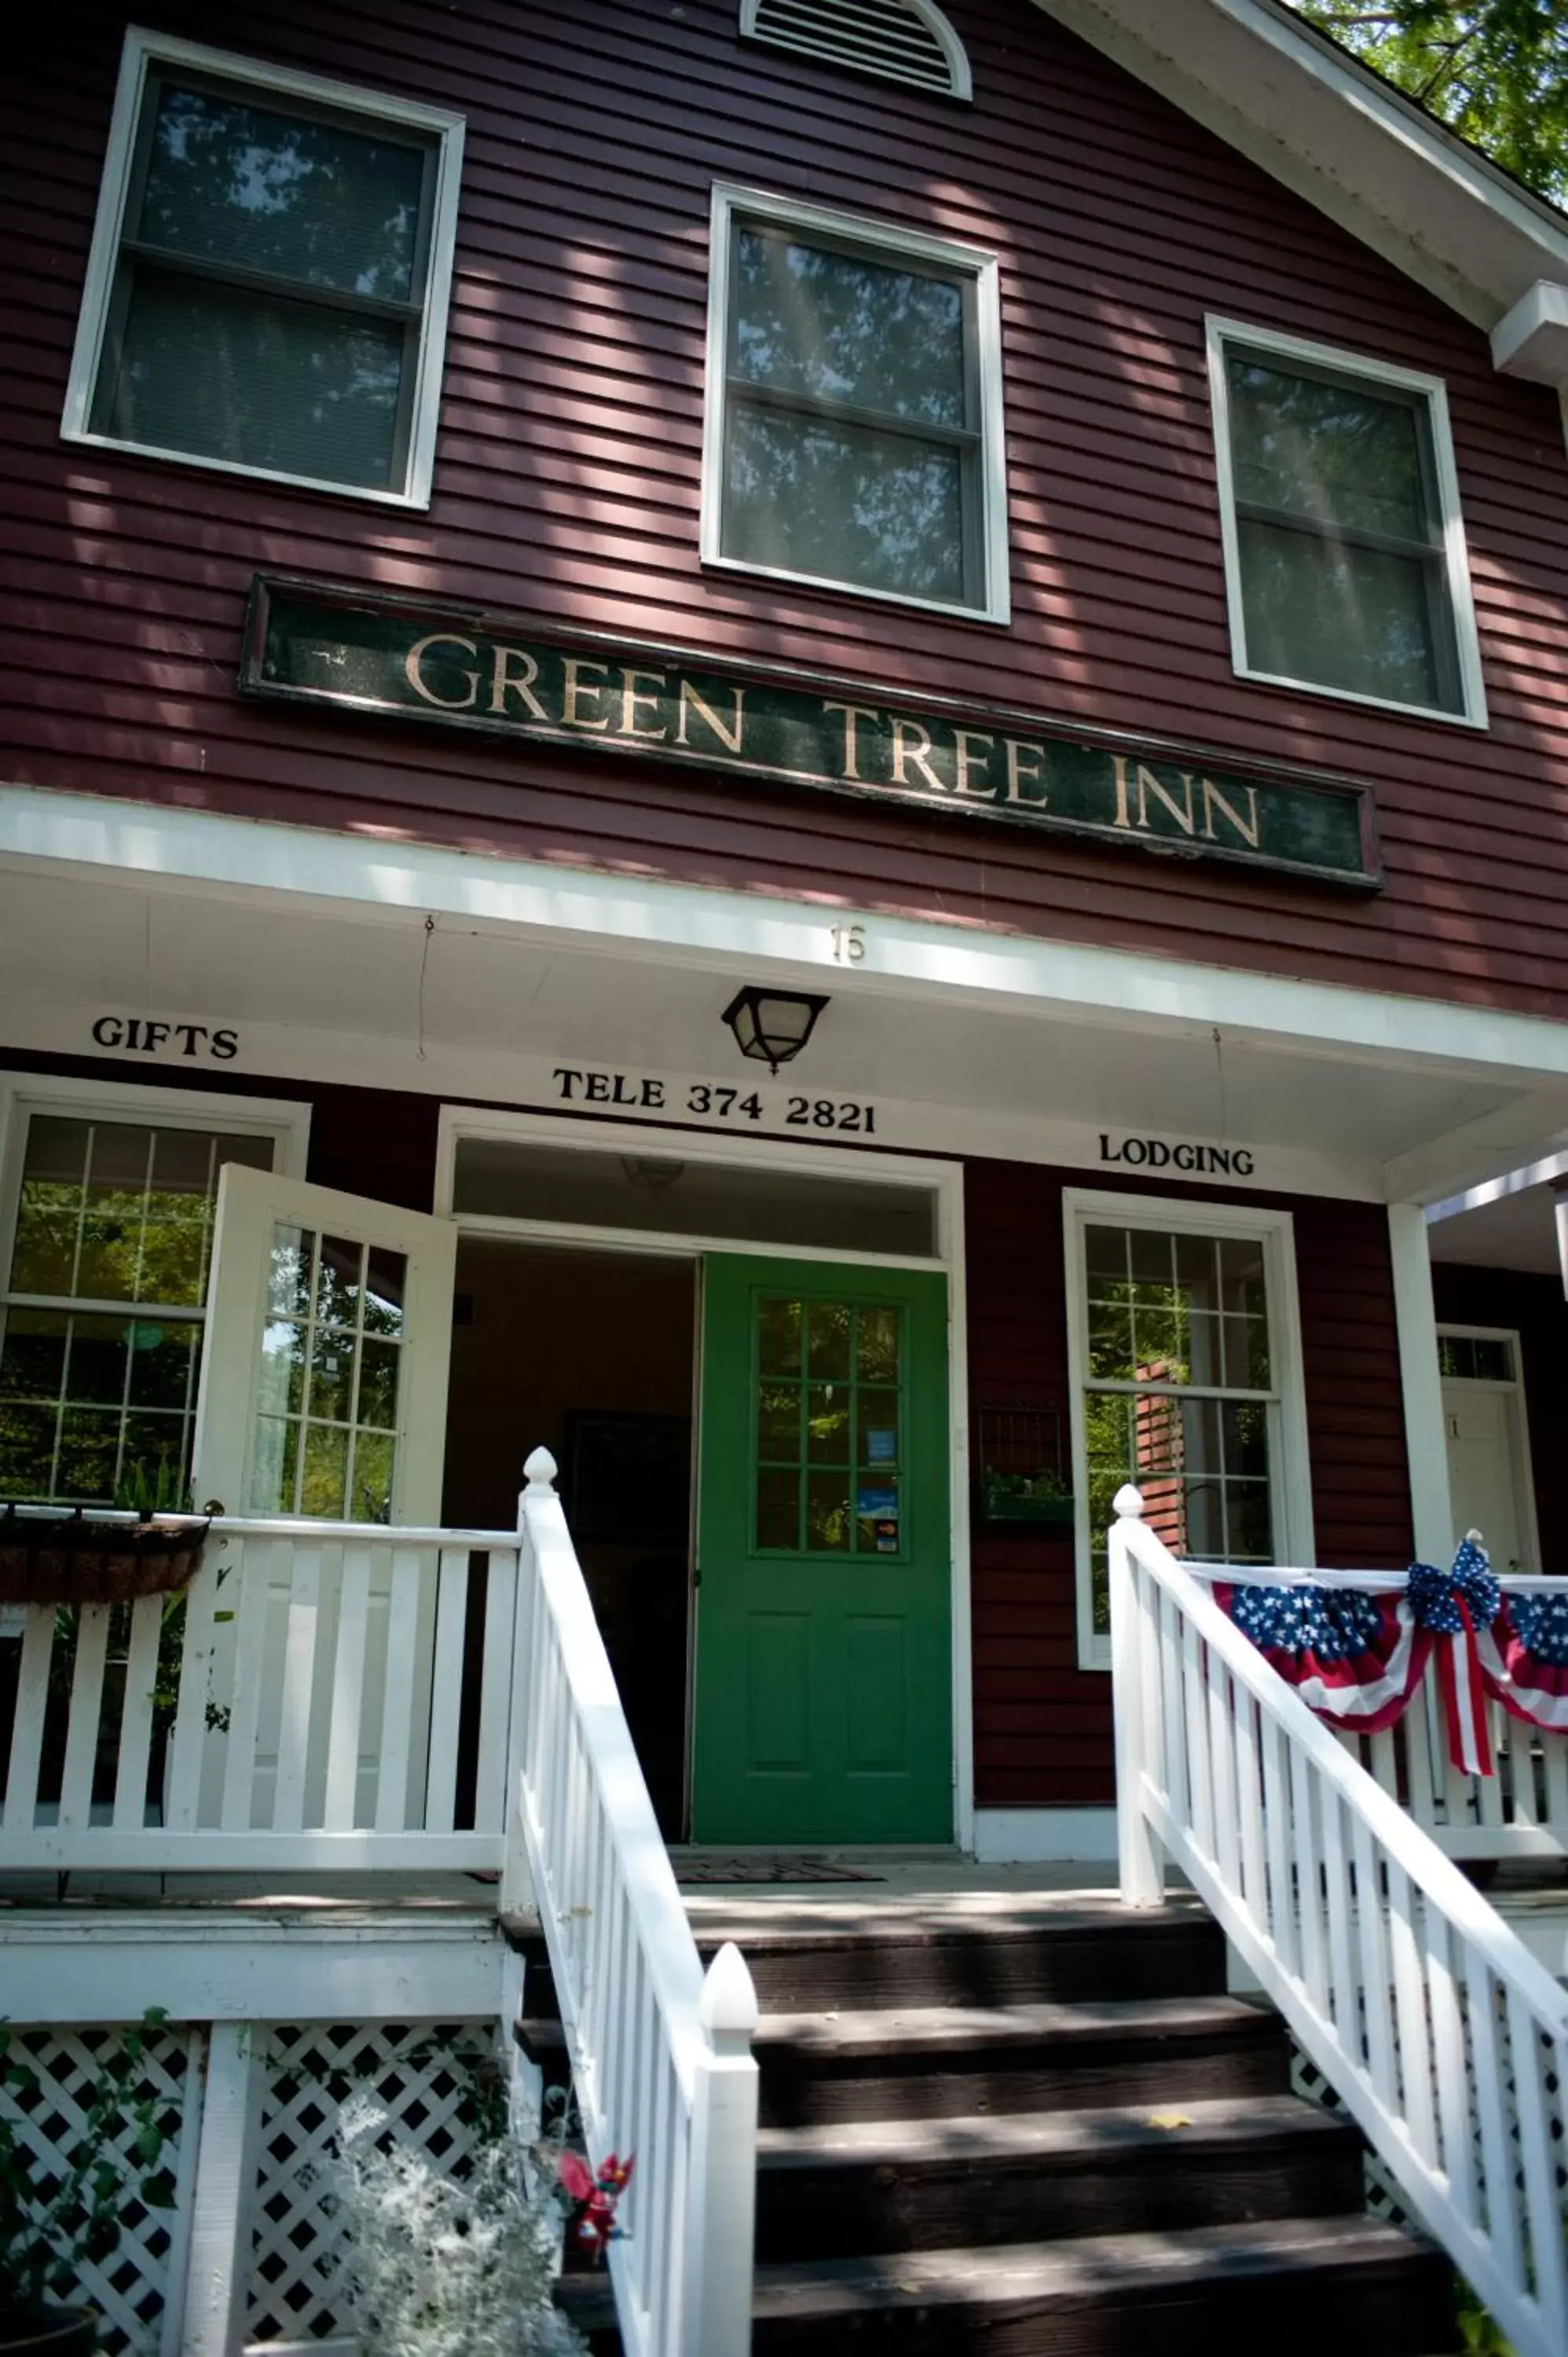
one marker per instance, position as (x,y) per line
(721,2188)
(1143,1866)
(517,1879)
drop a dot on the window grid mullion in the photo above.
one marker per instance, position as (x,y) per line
(1341,535)
(286,289)
(744,388)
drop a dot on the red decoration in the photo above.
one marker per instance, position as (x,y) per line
(595,2197)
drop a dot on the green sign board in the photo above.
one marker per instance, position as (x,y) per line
(532,682)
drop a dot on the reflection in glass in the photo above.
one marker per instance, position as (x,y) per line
(823,1413)
(838,327)
(96,1405)
(779,1337)
(229,181)
(1171,1316)
(846,502)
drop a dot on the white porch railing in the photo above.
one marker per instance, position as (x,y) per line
(660,2057)
(1440,2032)
(315,1678)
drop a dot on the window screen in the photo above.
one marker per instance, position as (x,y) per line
(853,427)
(1340,539)
(270,284)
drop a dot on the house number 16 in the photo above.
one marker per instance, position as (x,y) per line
(849,944)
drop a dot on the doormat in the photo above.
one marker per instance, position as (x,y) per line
(691,1871)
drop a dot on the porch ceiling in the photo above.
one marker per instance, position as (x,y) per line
(329,992)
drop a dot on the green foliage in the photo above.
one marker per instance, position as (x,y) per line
(50,2225)
(1496,72)
(1478,2330)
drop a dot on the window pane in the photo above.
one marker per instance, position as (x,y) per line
(119,1386)
(838,327)
(813,495)
(1358,619)
(218,373)
(229,181)
(1338,453)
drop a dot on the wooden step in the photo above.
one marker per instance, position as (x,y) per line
(1076,1953)
(1294,2286)
(929,2062)
(872,2186)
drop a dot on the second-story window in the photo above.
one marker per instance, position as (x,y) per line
(268,284)
(1344,546)
(855,424)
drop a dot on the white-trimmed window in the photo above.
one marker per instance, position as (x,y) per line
(1344,542)
(1185,1359)
(106,1216)
(854,433)
(268,284)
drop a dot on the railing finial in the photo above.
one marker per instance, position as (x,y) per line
(540,1469)
(1129,1504)
(727,2007)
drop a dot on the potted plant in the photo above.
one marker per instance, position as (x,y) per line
(438,2265)
(1038,1497)
(67,1559)
(51,2224)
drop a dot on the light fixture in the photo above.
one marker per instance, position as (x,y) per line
(772,1025)
(653,1176)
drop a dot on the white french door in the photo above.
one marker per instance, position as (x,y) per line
(323,1396)
(324,1372)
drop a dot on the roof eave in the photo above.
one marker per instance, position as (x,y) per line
(1316,119)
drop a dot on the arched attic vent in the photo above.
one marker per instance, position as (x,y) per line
(899,40)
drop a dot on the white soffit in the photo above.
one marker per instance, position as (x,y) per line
(1264,82)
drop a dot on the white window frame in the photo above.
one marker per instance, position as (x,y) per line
(144,50)
(877,240)
(1294,1539)
(23,1094)
(1225,335)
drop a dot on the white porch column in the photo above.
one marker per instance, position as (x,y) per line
(219,2280)
(1426,1440)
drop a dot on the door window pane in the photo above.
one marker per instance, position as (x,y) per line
(828,1467)
(1178,1326)
(114,1235)
(326,1443)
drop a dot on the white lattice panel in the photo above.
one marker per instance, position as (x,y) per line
(439,2085)
(138,2289)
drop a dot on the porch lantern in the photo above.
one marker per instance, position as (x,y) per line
(772,1025)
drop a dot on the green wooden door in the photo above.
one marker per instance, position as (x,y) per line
(824,1707)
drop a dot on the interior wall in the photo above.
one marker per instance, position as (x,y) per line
(537,1332)
(1533,1304)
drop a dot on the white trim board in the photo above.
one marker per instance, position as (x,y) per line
(271,1963)
(1310,115)
(697,926)
(1037,1836)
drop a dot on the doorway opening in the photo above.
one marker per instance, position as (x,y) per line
(1489,1481)
(593,1355)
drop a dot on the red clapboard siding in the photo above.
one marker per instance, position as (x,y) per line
(1534,1305)
(568,469)
(1043,1725)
